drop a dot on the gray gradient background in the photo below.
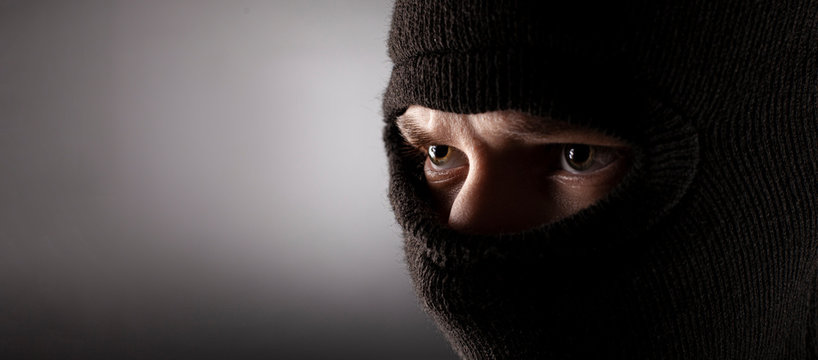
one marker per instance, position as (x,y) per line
(199,179)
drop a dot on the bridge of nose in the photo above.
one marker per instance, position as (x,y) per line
(502,193)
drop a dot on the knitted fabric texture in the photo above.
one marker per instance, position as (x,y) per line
(708,247)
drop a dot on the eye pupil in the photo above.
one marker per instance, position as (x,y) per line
(438,151)
(579,156)
(438,154)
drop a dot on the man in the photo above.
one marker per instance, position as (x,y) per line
(629,180)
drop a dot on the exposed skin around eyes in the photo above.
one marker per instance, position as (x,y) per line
(505,170)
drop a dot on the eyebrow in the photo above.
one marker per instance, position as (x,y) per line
(517,125)
(412,132)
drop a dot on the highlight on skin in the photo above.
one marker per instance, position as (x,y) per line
(507,171)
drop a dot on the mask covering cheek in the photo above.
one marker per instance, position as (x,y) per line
(551,290)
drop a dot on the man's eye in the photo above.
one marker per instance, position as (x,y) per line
(445,157)
(581,158)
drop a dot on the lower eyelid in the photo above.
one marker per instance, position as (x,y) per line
(443,175)
(598,175)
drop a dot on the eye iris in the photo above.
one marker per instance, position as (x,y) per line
(438,154)
(579,157)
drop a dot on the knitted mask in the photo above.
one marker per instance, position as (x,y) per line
(707,247)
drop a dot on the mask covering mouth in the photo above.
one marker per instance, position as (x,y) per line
(704,249)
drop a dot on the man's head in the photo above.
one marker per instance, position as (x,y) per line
(700,244)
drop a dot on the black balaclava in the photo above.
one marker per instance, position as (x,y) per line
(705,250)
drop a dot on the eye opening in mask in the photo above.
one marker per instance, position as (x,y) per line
(474,165)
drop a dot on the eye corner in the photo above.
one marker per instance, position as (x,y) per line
(411,152)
